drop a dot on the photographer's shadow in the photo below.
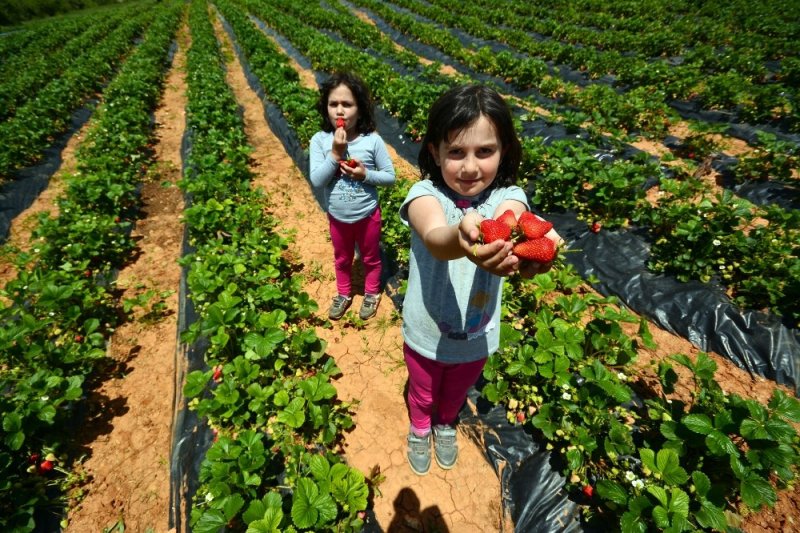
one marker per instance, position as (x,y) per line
(408,517)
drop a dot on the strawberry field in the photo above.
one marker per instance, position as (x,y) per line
(648,382)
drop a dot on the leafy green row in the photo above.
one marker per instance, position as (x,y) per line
(267,393)
(736,80)
(33,71)
(567,175)
(633,454)
(640,109)
(25,41)
(30,130)
(61,309)
(401,95)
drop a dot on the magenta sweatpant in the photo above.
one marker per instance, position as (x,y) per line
(344,236)
(436,391)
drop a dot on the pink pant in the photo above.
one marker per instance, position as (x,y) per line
(435,386)
(344,236)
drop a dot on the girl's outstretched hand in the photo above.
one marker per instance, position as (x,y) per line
(494,257)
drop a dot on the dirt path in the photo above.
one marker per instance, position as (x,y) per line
(128,431)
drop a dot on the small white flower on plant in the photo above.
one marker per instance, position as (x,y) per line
(637,483)
(566,396)
(565,385)
(630,476)
(209,497)
(622,376)
(716,242)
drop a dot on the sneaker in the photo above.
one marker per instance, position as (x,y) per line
(369,306)
(445,446)
(419,453)
(339,306)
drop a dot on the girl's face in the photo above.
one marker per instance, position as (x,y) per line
(469,159)
(342,104)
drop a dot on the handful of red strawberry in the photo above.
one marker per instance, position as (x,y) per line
(527,234)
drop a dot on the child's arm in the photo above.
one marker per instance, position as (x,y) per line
(323,167)
(426,216)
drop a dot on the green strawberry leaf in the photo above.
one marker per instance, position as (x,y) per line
(698,423)
(612,491)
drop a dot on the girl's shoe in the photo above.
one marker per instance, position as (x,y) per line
(369,306)
(445,446)
(419,453)
(339,306)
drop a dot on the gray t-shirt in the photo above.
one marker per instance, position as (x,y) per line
(349,200)
(451,310)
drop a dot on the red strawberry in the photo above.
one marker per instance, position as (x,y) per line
(78,338)
(217,373)
(595,227)
(541,250)
(532,226)
(352,163)
(509,219)
(493,230)
(34,458)
(521,417)
(45,466)
(588,491)
(339,122)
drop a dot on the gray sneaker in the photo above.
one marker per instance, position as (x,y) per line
(369,306)
(445,446)
(419,453)
(339,306)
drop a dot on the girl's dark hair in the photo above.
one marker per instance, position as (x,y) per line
(366,114)
(458,108)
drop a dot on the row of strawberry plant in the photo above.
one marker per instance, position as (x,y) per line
(267,394)
(401,95)
(569,176)
(659,28)
(777,157)
(737,79)
(635,456)
(61,309)
(21,41)
(33,71)
(640,109)
(30,130)
(696,234)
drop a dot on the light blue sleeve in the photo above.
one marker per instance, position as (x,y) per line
(322,167)
(383,174)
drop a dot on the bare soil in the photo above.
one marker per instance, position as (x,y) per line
(126,436)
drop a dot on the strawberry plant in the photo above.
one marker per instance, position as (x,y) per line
(772,159)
